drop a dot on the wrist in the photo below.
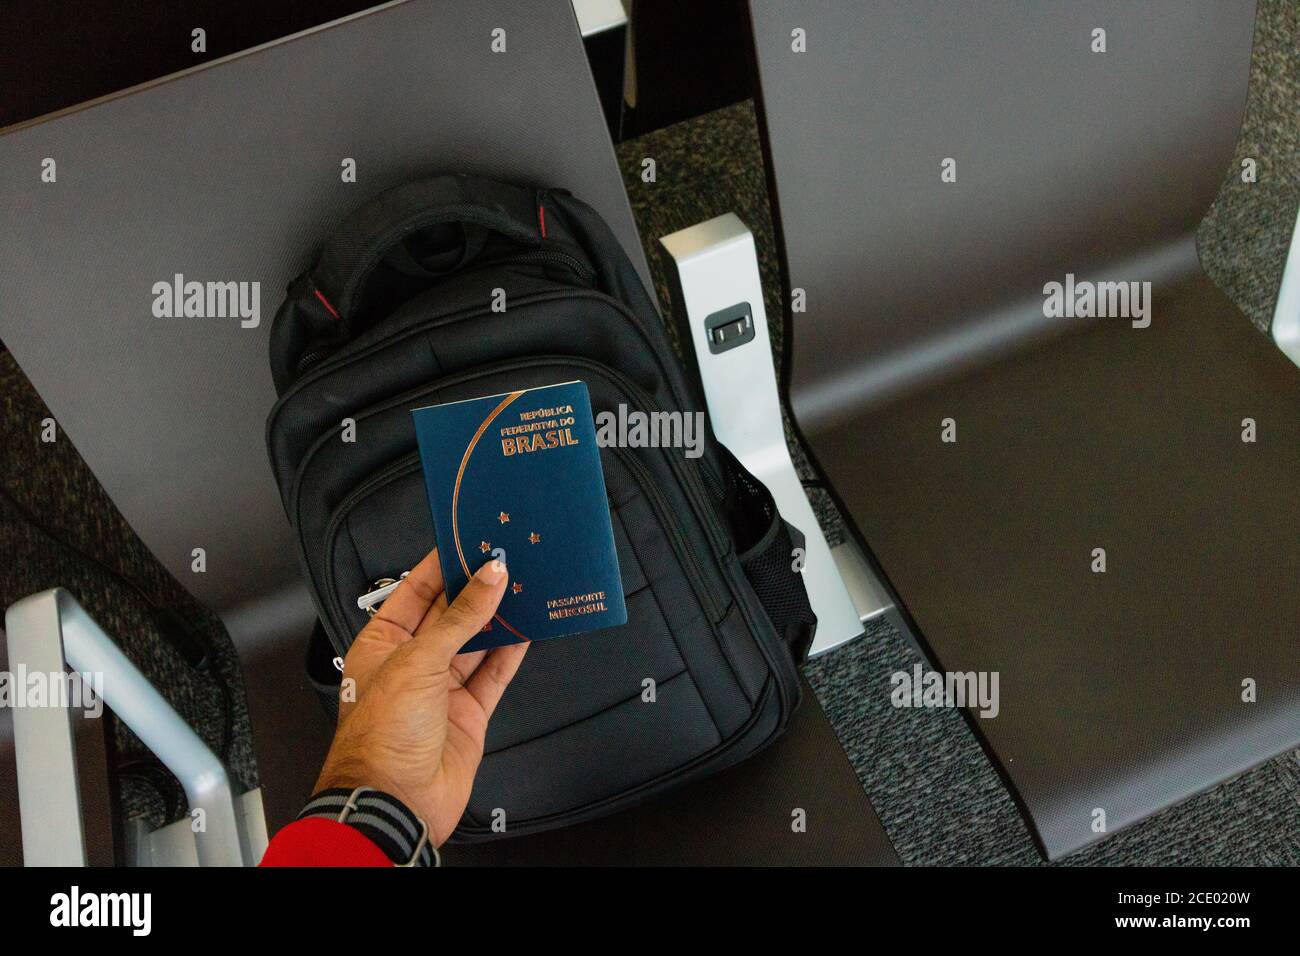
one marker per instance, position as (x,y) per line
(343,773)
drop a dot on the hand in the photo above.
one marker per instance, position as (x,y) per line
(421,711)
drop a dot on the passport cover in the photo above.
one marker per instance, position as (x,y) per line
(520,473)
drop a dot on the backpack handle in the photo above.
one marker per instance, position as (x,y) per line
(381,226)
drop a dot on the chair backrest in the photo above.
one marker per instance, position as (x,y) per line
(1084,136)
(234,173)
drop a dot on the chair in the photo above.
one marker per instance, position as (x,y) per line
(1072,502)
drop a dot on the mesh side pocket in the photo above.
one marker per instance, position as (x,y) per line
(769,565)
(766,543)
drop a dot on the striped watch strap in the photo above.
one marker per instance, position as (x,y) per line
(381,818)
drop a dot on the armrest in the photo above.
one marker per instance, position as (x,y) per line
(1286,315)
(49,633)
(717,284)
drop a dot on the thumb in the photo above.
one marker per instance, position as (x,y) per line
(465,616)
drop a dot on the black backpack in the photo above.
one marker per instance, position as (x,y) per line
(398,313)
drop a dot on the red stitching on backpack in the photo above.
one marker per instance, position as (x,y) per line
(326,302)
(541,219)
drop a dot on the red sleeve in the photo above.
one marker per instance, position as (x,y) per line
(316,841)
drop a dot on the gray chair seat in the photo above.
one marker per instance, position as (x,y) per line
(1120,690)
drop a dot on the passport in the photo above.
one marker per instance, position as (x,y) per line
(517,476)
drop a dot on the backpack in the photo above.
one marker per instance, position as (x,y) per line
(398,313)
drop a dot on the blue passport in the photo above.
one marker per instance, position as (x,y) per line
(517,476)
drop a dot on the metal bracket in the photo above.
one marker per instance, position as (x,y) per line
(50,632)
(718,286)
(597,16)
(1286,314)
(175,844)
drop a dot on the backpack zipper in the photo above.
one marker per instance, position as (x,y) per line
(580,268)
(691,481)
(668,519)
(379,592)
(382,588)
(550,255)
(320,370)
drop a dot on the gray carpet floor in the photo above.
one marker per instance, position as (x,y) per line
(1244,238)
(937,795)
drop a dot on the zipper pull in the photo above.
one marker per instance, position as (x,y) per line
(379,591)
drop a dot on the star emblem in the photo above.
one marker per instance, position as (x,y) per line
(534,537)
(503,517)
(484,547)
(516,587)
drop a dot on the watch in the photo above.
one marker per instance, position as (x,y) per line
(381,818)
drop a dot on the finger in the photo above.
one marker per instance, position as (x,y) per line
(462,665)
(493,676)
(464,617)
(435,611)
(407,605)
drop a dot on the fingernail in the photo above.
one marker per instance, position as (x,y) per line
(492,572)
